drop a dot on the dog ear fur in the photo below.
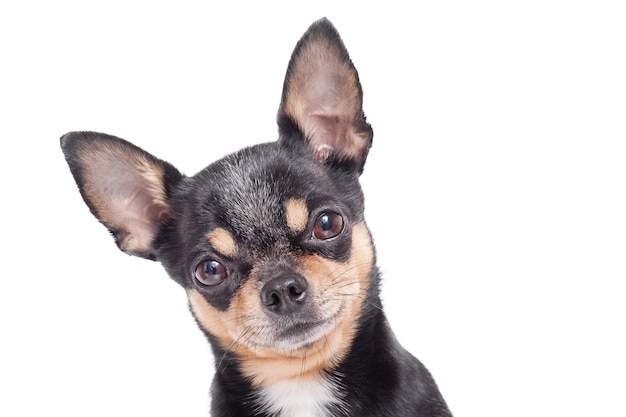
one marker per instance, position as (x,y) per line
(322,98)
(125,187)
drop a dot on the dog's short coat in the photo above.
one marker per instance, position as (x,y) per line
(272,249)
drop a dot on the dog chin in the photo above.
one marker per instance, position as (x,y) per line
(301,336)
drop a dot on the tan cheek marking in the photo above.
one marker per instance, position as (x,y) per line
(355,278)
(223,242)
(210,318)
(230,327)
(297,214)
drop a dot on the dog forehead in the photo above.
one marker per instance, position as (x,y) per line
(247,190)
(251,203)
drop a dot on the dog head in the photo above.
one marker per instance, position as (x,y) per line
(269,242)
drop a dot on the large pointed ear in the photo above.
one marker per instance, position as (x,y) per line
(126,188)
(322,98)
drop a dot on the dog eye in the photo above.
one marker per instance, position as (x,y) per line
(327,225)
(211,273)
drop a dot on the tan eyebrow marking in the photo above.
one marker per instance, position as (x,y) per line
(297,214)
(223,242)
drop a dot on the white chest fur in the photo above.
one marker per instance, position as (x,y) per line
(299,397)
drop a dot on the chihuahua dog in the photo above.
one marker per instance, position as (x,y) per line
(272,250)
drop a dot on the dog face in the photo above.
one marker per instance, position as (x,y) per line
(280,280)
(269,243)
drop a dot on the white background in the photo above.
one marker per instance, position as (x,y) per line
(495,192)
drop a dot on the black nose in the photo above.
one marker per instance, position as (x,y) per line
(284,294)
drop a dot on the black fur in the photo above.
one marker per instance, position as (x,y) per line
(245,194)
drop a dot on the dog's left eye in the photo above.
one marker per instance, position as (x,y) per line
(211,273)
(327,225)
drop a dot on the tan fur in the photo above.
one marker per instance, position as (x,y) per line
(223,242)
(245,328)
(297,214)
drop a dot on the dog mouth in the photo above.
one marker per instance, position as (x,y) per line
(288,334)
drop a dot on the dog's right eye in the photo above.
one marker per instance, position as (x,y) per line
(211,273)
